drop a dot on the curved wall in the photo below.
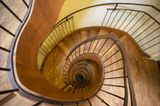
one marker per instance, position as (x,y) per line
(44,16)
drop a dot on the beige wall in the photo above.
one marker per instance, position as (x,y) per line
(72,5)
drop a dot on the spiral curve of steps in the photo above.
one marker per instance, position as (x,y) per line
(93,69)
(87,66)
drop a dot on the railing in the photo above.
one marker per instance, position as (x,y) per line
(64,27)
(7,52)
(139,20)
(11,30)
(100,46)
(67,25)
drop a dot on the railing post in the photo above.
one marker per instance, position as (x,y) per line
(25,3)
(65,23)
(38,103)
(10,10)
(5,69)
(104,18)
(90,104)
(8,91)
(115,6)
(5,49)
(7,30)
(6,99)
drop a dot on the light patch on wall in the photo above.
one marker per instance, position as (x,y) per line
(90,17)
(70,6)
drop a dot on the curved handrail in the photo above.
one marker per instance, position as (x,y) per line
(122,51)
(57,24)
(16,84)
(10,59)
(115,7)
(97,5)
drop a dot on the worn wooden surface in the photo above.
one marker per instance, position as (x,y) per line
(44,16)
(144,73)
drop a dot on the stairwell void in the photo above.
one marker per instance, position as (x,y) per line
(108,59)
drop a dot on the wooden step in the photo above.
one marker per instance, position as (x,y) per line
(93,32)
(95,101)
(18,100)
(64,48)
(76,37)
(84,34)
(84,103)
(68,41)
(7,98)
(111,99)
(103,32)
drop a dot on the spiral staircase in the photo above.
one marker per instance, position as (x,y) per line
(112,59)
